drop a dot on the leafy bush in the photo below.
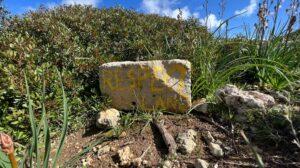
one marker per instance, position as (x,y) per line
(77,40)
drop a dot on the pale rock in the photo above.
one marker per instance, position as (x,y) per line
(176,164)
(148,85)
(243,101)
(167,164)
(218,142)
(108,118)
(200,163)
(145,162)
(186,141)
(191,133)
(87,161)
(296,109)
(215,149)
(137,162)
(113,149)
(95,149)
(103,150)
(208,137)
(125,156)
(123,134)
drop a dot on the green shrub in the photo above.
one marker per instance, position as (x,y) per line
(77,40)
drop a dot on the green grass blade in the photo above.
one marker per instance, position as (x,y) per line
(46,129)
(4,161)
(34,142)
(47,144)
(281,72)
(65,122)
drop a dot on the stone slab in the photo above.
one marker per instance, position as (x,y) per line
(148,85)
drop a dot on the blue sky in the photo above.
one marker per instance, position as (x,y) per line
(190,8)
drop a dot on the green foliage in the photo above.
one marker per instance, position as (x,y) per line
(78,39)
(267,57)
(4,161)
(34,155)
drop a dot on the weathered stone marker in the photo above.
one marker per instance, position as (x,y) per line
(148,85)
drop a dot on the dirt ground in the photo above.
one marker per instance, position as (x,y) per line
(240,154)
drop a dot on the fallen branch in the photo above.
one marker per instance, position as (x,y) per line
(167,137)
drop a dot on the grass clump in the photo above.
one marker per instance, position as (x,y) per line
(37,154)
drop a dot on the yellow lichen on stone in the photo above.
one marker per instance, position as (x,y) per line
(148,85)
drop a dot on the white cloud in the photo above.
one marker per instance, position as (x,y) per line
(211,21)
(81,2)
(165,8)
(248,10)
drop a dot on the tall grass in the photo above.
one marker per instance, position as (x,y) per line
(35,151)
(268,56)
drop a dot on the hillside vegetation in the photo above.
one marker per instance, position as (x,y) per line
(74,40)
(77,40)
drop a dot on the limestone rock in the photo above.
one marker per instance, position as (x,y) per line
(200,163)
(103,150)
(208,137)
(245,100)
(148,85)
(186,141)
(167,164)
(215,149)
(125,156)
(296,109)
(108,118)
(87,161)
